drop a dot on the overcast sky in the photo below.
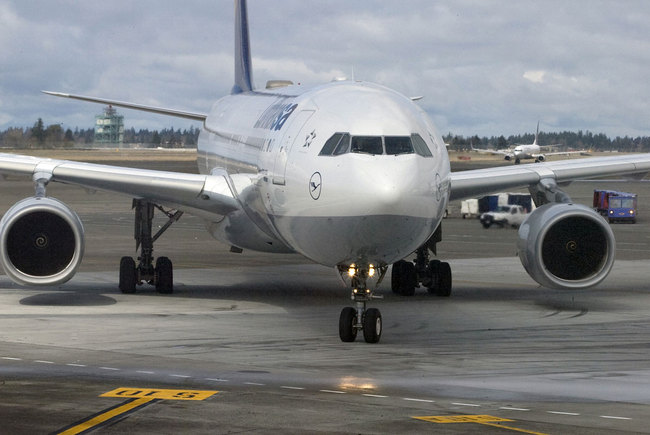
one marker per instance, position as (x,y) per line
(483,67)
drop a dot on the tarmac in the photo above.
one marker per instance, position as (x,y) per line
(249,342)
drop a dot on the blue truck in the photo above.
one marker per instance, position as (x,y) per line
(616,206)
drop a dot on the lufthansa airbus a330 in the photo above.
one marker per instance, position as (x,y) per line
(351,175)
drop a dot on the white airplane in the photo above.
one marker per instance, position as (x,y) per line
(528,151)
(349,174)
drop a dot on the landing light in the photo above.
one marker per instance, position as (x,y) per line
(352,270)
(371,271)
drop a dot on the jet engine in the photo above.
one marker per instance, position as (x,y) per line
(41,242)
(541,158)
(563,245)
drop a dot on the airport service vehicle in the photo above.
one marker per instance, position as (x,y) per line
(616,206)
(349,174)
(512,215)
(475,207)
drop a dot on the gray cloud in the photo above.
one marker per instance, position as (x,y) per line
(486,68)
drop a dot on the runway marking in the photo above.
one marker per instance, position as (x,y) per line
(563,413)
(149,372)
(107,416)
(136,399)
(160,394)
(485,420)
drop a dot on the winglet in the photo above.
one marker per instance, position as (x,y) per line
(243,68)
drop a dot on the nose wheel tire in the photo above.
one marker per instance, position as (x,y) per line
(372,325)
(347,325)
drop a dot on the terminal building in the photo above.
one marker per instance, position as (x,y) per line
(109,127)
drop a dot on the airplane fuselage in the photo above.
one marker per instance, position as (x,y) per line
(526,151)
(374,196)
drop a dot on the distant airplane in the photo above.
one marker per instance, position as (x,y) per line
(349,174)
(527,151)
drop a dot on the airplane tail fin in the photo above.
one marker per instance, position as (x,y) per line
(243,69)
(536,134)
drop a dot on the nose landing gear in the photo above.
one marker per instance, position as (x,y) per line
(360,318)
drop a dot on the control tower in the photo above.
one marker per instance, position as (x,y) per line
(109,127)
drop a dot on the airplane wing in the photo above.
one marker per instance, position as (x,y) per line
(477,182)
(492,152)
(208,193)
(134,106)
(564,153)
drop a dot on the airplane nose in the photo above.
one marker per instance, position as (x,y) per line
(394,190)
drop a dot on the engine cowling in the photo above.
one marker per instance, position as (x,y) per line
(566,246)
(541,158)
(41,242)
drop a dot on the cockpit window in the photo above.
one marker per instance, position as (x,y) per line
(398,145)
(331,144)
(342,143)
(367,145)
(420,146)
(339,143)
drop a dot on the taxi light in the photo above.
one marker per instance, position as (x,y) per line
(352,270)
(371,271)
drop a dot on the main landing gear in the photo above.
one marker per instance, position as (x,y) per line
(435,275)
(360,318)
(161,275)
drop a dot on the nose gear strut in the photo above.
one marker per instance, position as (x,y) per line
(360,318)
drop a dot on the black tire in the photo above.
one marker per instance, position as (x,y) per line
(406,278)
(396,276)
(443,287)
(164,276)
(434,272)
(487,221)
(372,325)
(347,321)
(128,275)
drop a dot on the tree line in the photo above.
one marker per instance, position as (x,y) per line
(566,140)
(54,136)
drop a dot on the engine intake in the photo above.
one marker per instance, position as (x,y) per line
(41,242)
(566,246)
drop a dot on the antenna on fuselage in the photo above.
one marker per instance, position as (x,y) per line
(243,64)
